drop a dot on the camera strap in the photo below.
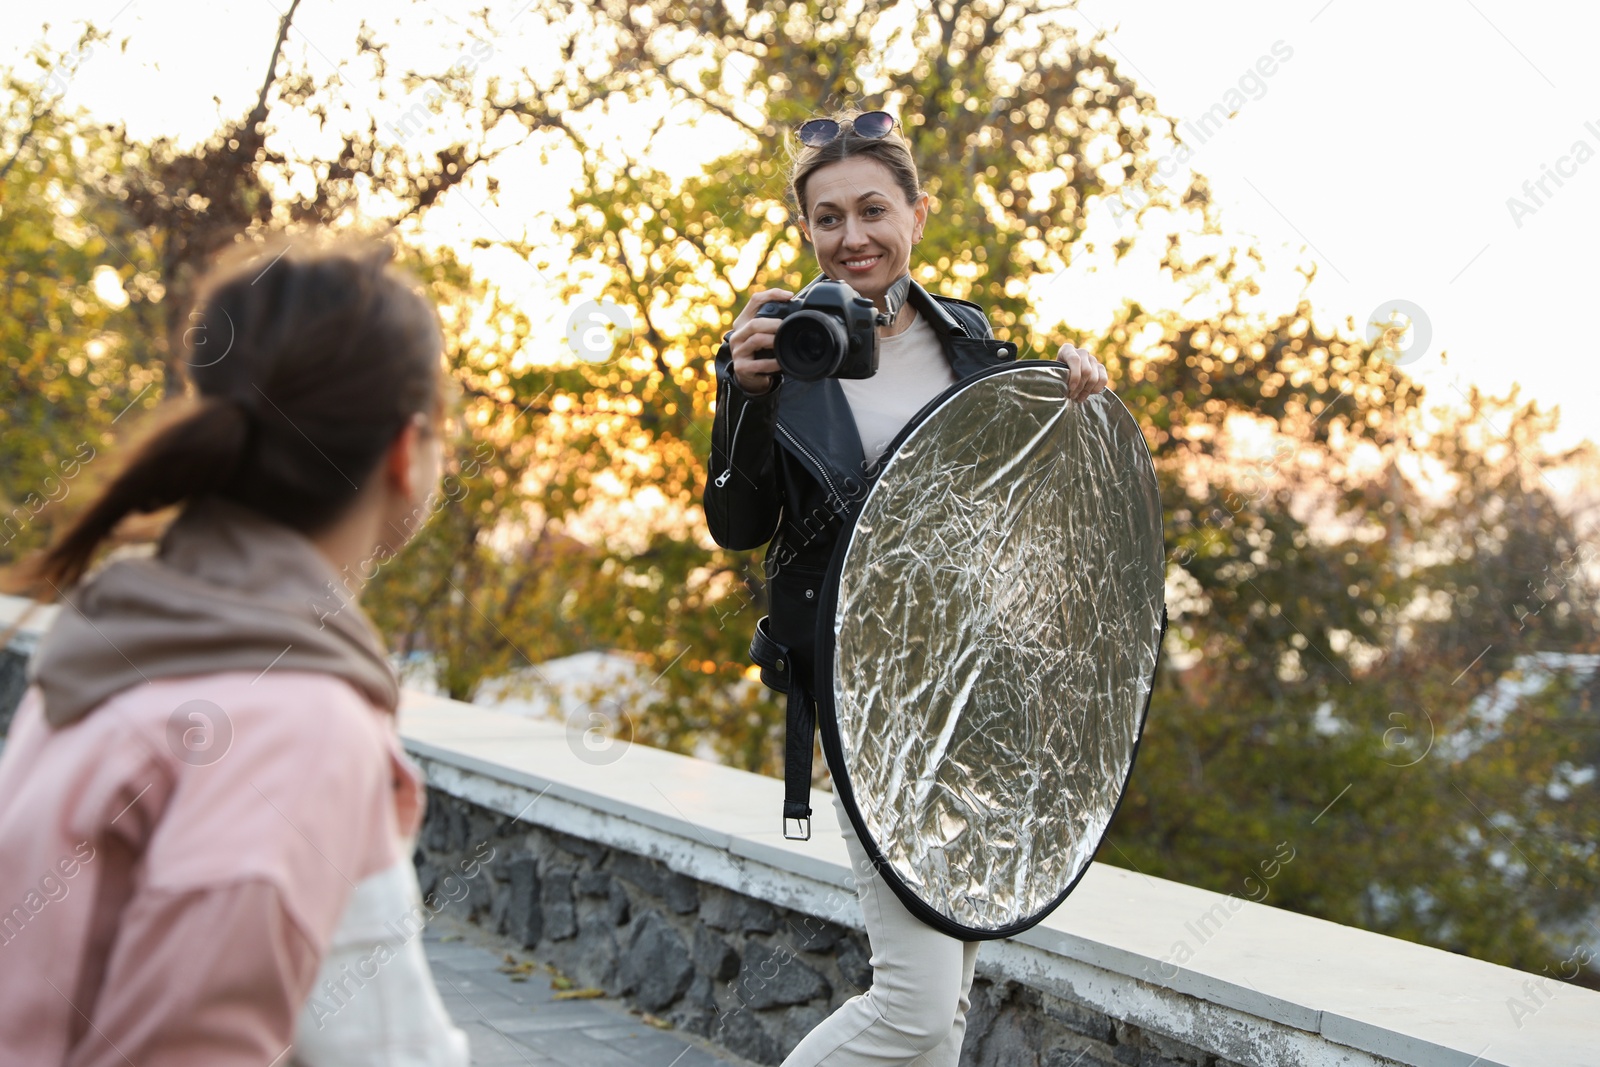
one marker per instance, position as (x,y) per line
(800,727)
(894,298)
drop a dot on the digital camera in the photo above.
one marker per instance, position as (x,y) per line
(831,333)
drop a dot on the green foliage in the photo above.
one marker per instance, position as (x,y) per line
(77,297)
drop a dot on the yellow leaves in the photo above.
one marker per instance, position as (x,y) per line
(517,972)
(564,989)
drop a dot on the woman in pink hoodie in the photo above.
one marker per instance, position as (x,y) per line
(203,800)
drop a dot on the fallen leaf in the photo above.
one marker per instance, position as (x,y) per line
(589,993)
(512,967)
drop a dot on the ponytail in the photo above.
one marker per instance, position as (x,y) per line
(196,452)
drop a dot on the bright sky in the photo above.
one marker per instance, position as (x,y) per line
(1389,143)
(1386,141)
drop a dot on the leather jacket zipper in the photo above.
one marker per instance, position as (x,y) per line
(804,451)
(722,479)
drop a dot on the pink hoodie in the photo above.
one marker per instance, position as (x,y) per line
(163,907)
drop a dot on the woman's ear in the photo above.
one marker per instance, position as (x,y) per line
(403,464)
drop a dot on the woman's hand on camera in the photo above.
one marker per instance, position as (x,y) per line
(1086,375)
(751,336)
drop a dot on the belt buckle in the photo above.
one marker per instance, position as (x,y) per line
(805,823)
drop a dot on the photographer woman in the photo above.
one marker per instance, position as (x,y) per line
(790,458)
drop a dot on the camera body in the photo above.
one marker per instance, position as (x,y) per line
(831,333)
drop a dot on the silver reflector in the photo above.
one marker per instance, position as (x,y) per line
(988,643)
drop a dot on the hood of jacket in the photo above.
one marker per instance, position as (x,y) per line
(227,590)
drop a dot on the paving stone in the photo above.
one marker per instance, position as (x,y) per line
(658,1047)
(520,1023)
(569,1015)
(578,1049)
(491,1049)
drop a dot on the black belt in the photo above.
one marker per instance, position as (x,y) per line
(777,672)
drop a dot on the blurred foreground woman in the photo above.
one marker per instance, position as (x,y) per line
(203,799)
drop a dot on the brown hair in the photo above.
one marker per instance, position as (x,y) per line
(309,359)
(892,150)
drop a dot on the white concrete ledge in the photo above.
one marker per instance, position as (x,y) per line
(1265,986)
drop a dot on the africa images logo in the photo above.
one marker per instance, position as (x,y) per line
(597,329)
(199,733)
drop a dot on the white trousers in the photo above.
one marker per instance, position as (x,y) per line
(915,1014)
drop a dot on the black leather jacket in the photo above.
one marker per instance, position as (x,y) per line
(787,467)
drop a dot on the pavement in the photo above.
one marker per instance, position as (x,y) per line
(511,1013)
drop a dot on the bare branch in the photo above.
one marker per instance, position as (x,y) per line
(259,115)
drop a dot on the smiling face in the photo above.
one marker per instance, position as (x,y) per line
(859,222)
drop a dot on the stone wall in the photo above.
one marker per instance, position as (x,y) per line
(750,976)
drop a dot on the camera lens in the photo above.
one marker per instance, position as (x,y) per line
(810,345)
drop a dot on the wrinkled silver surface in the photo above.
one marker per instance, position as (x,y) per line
(996,633)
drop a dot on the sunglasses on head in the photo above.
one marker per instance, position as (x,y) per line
(871,125)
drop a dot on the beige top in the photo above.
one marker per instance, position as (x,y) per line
(912,370)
